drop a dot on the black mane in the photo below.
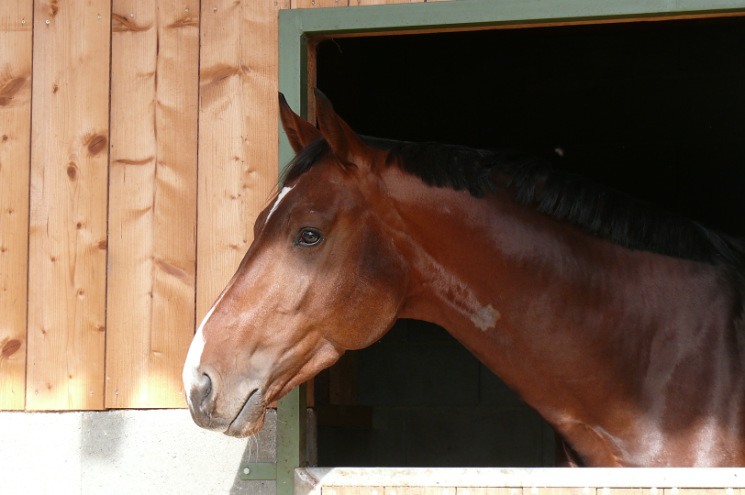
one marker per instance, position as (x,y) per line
(596,209)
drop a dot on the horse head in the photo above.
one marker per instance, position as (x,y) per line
(320,278)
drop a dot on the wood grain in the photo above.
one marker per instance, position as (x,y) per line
(15,135)
(67,239)
(152,205)
(237,135)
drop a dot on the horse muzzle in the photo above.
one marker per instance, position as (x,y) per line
(240,414)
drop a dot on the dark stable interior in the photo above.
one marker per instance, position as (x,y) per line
(655,109)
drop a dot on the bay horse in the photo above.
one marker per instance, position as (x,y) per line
(621,325)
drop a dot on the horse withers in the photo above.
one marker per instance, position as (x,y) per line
(622,325)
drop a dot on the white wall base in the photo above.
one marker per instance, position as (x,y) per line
(125,452)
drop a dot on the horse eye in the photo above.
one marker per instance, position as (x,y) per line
(309,237)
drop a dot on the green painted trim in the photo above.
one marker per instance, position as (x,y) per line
(293,75)
(481,13)
(290,438)
(259,471)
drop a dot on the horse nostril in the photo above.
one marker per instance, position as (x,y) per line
(201,396)
(205,387)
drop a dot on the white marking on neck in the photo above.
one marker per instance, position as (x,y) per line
(457,294)
(280,197)
(486,318)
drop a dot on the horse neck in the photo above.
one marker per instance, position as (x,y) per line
(564,318)
(479,265)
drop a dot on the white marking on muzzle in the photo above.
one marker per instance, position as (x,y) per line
(191,373)
(194,356)
(280,197)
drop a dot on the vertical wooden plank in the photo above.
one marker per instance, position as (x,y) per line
(152,203)
(132,191)
(16,20)
(237,135)
(67,239)
(175,211)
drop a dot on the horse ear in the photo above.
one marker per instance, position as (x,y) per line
(298,130)
(347,146)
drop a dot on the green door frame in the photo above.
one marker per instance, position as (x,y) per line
(298,26)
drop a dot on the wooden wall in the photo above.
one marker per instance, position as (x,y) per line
(138,142)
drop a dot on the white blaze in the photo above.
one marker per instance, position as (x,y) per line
(280,197)
(194,356)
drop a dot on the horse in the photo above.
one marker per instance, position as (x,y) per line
(621,324)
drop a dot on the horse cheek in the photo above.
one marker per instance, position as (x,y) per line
(382,285)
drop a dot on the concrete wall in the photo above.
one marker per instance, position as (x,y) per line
(126,451)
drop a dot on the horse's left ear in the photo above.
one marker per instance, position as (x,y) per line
(299,132)
(347,146)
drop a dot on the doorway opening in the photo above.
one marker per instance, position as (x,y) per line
(655,109)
